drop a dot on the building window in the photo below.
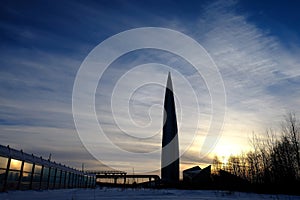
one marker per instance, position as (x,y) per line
(15,164)
(26,176)
(3,162)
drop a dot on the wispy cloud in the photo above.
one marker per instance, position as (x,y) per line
(251,61)
(260,74)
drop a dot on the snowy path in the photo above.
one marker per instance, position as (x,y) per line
(113,193)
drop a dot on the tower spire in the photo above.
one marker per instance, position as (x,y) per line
(170,148)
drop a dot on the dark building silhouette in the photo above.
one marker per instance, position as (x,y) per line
(170,149)
(196,176)
(190,173)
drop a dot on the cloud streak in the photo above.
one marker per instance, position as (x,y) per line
(260,74)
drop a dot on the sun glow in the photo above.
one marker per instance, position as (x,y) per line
(224,151)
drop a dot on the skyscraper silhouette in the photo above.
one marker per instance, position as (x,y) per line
(170,149)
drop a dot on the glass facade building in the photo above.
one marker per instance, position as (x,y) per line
(21,171)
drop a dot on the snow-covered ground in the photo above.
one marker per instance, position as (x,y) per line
(114,193)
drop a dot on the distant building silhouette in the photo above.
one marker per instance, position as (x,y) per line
(188,174)
(196,176)
(170,149)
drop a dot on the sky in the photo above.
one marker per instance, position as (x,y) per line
(255,46)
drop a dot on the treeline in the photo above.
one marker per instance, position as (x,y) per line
(274,162)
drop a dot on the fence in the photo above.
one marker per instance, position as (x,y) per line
(22,171)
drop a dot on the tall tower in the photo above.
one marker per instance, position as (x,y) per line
(170,149)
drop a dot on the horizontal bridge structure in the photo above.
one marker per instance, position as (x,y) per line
(120,175)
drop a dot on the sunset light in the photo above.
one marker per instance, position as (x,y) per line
(188,95)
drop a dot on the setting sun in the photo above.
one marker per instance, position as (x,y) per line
(223,151)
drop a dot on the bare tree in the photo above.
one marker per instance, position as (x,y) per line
(274,159)
(234,165)
(291,131)
(217,164)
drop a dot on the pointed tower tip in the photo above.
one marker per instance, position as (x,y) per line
(169,75)
(169,82)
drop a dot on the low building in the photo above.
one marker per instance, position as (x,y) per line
(22,171)
(196,176)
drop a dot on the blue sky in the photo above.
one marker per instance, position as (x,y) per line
(255,44)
